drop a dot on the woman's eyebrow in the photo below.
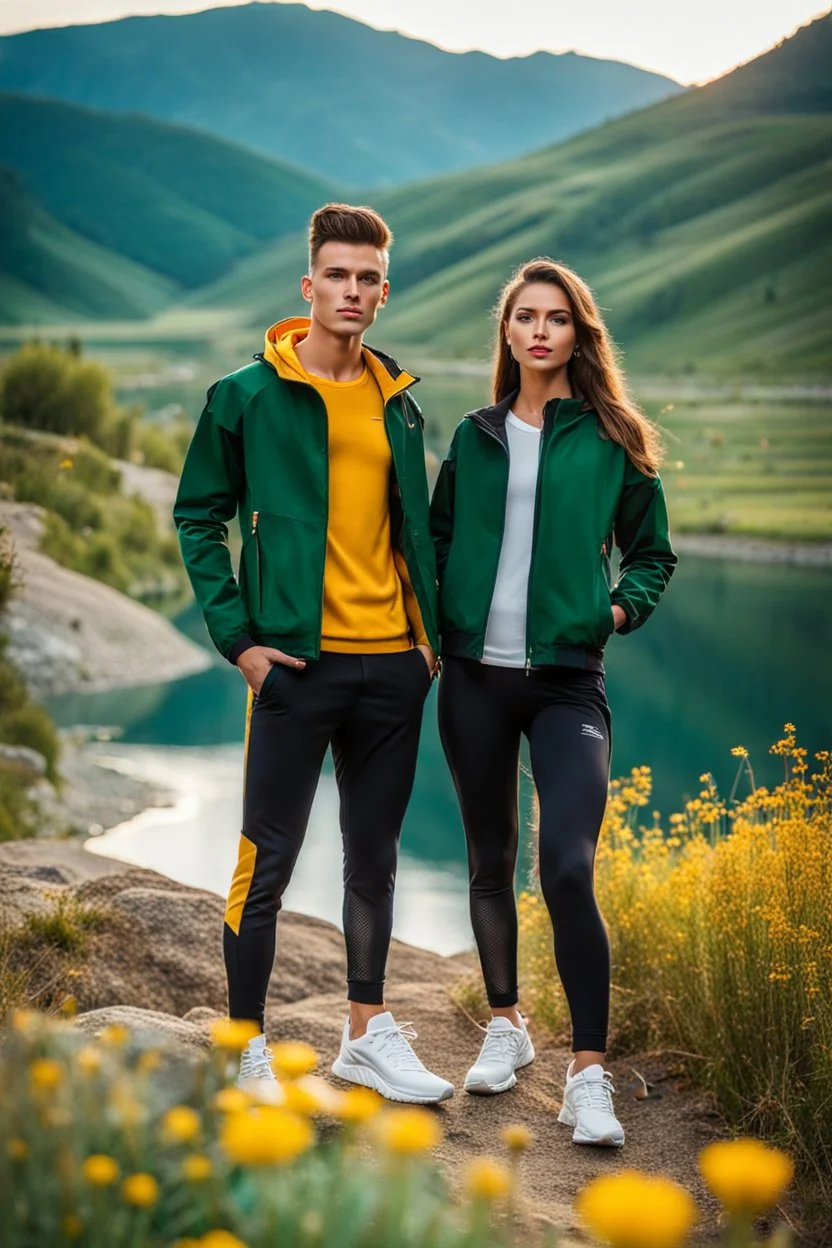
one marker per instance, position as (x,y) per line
(552,311)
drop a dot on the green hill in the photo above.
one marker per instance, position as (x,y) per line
(361,106)
(49,273)
(702,223)
(175,201)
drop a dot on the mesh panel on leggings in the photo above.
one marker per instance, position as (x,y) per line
(367,927)
(494,920)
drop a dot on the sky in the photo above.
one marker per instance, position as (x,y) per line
(689,40)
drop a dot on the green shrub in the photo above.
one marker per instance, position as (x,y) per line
(161,447)
(65,927)
(18,815)
(46,388)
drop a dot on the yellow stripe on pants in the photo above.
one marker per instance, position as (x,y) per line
(247,856)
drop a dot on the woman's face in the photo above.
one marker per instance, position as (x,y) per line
(540,329)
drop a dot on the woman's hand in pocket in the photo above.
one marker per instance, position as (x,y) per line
(619,615)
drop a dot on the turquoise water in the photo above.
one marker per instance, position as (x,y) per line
(733,652)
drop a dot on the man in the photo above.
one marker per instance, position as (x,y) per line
(317,446)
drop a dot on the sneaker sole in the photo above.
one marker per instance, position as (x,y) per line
(481,1088)
(605,1141)
(369,1078)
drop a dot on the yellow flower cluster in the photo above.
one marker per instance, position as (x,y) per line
(721,932)
(633,1210)
(746,1176)
(265,1135)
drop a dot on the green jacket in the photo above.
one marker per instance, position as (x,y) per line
(588,492)
(260,451)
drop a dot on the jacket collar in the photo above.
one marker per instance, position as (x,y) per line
(390,377)
(493,418)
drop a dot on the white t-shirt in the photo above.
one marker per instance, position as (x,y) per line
(505,632)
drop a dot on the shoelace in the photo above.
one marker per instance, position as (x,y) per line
(595,1093)
(500,1043)
(257,1065)
(395,1043)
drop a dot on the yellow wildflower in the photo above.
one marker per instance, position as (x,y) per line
(486,1179)
(17,1149)
(265,1135)
(197,1168)
(140,1190)
(180,1125)
(359,1105)
(88,1060)
(115,1036)
(45,1074)
(517,1138)
(294,1059)
(126,1108)
(746,1176)
(100,1170)
(66,464)
(220,1239)
(311,1095)
(233,1033)
(24,1021)
(634,1210)
(148,1061)
(229,1099)
(408,1131)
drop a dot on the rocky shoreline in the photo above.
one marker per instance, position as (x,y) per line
(69,633)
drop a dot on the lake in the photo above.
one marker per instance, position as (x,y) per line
(733,652)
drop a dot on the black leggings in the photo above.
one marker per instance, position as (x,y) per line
(369,708)
(564,713)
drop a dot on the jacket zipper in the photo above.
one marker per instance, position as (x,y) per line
(535,523)
(486,428)
(410,424)
(255,516)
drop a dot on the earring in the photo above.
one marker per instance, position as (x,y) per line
(576,353)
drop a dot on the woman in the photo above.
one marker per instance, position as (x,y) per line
(528,501)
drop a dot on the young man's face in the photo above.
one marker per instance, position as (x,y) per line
(346,287)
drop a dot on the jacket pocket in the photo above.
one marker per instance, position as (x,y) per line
(284,567)
(606,620)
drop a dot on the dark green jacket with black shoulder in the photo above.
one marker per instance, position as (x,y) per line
(260,450)
(589,493)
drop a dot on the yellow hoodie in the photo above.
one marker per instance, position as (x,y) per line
(369,606)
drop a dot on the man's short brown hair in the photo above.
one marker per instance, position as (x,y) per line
(343,223)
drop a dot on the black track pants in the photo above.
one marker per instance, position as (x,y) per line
(369,708)
(563,711)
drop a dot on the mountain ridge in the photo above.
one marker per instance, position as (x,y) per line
(416,111)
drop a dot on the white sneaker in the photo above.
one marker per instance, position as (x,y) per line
(255,1063)
(505,1049)
(587,1106)
(383,1059)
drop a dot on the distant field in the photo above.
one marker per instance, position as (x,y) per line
(760,469)
(745,460)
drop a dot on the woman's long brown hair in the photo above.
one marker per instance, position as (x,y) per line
(594,373)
